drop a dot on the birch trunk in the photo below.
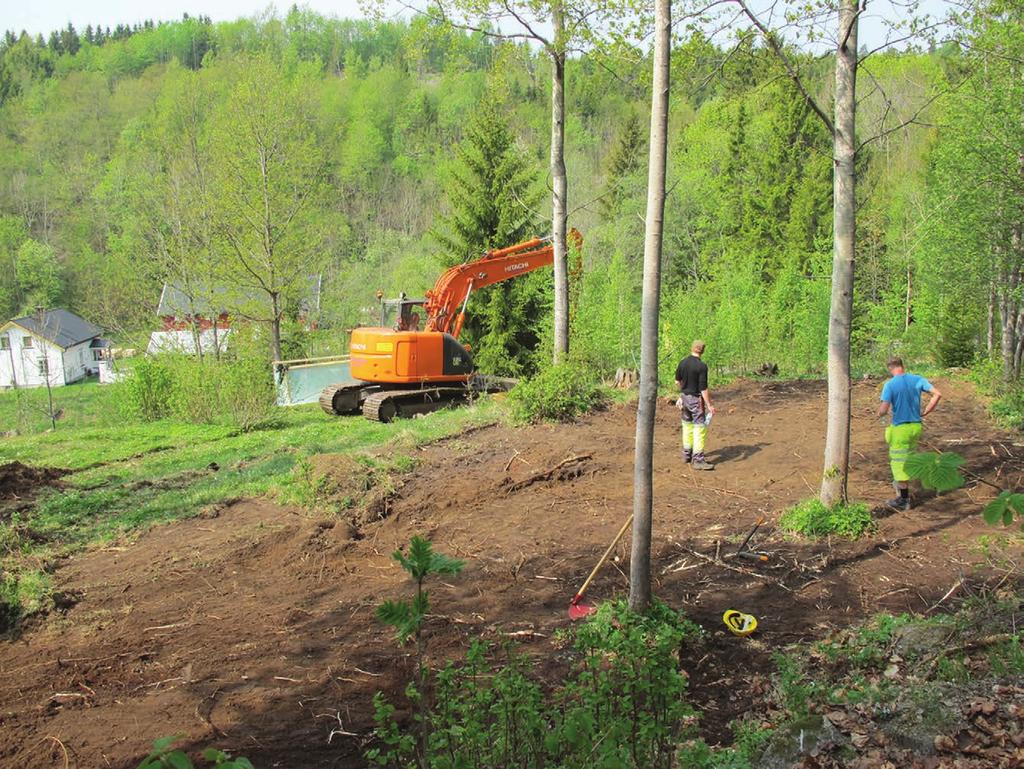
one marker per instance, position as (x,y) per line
(640,561)
(837,436)
(559,185)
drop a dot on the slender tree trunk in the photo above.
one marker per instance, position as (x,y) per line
(1018,350)
(837,436)
(908,315)
(559,184)
(990,342)
(640,561)
(1008,322)
(275,327)
(197,336)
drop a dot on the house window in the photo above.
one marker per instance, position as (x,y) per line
(97,354)
(27,342)
(44,366)
(5,342)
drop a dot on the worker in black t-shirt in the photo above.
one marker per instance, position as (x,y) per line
(695,403)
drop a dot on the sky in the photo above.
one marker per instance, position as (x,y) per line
(42,16)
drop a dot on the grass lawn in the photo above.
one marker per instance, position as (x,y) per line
(128,475)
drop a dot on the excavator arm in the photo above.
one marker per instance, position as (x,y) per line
(446,302)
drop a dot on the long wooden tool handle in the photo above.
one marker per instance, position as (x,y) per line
(750,535)
(579,595)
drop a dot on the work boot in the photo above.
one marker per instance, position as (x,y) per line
(687,456)
(699,463)
(899,504)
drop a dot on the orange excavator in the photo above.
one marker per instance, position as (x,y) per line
(413,362)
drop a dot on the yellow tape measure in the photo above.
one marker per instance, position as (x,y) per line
(739,623)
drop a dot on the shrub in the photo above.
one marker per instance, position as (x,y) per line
(234,390)
(813,519)
(148,389)
(621,705)
(558,394)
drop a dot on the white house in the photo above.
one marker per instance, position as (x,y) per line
(57,346)
(206,316)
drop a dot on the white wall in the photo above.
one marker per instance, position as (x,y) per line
(79,363)
(183,342)
(26,362)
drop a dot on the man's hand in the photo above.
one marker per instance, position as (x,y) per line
(936,397)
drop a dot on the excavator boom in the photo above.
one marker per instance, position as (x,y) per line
(446,302)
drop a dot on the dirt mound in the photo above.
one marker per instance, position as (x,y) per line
(362,486)
(254,629)
(18,480)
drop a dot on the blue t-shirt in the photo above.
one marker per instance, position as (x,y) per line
(903,392)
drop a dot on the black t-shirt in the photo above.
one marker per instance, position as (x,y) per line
(692,374)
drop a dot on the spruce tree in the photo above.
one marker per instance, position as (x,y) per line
(625,160)
(493,195)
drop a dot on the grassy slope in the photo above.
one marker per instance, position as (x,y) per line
(128,474)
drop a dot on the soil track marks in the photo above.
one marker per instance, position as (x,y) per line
(253,628)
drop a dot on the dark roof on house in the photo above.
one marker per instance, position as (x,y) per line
(179,303)
(176,302)
(61,327)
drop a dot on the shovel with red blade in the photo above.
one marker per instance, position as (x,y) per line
(579,610)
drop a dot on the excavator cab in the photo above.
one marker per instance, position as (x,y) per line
(403,314)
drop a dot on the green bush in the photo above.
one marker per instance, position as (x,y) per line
(621,705)
(558,394)
(813,519)
(147,390)
(236,390)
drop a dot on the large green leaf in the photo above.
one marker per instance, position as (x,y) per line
(1003,508)
(940,472)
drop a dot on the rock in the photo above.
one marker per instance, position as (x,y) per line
(919,638)
(807,736)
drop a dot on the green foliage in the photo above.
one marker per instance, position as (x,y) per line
(231,390)
(813,519)
(559,393)
(1008,408)
(1003,508)
(22,594)
(38,279)
(162,756)
(492,194)
(625,160)
(420,562)
(621,705)
(147,390)
(940,472)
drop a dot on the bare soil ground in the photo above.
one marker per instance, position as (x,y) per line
(19,483)
(252,628)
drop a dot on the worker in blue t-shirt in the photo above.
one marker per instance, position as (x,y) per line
(901,396)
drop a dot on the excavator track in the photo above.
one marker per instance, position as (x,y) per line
(388,405)
(339,399)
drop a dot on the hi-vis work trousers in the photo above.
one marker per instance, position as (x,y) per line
(694,429)
(902,440)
